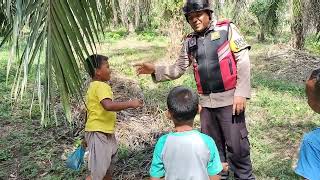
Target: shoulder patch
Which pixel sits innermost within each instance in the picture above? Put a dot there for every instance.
(237, 42)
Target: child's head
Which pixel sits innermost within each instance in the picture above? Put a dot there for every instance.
(183, 105)
(98, 67)
(313, 90)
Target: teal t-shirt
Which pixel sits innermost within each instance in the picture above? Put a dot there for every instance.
(185, 155)
(309, 157)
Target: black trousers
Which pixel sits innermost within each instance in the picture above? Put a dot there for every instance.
(231, 137)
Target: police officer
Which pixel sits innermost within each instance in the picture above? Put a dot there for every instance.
(219, 57)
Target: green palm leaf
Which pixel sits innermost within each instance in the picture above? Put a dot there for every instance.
(59, 35)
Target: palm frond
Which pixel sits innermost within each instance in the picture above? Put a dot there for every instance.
(59, 35)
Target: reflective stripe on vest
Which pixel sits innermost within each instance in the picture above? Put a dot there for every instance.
(214, 65)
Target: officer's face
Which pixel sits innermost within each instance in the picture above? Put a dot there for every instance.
(199, 21)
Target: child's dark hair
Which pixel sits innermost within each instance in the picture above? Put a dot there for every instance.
(316, 75)
(94, 62)
(182, 104)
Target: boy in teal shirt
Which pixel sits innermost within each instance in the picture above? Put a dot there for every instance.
(186, 153)
(309, 157)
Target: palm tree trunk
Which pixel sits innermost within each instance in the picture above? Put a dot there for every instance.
(137, 14)
(298, 39)
(297, 25)
(261, 35)
(124, 13)
(114, 12)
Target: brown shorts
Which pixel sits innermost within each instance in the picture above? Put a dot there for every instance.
(102, 150)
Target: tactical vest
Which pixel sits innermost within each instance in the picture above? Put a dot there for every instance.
(214, 64)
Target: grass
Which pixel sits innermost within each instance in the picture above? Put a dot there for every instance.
(312, 44)
(277, 115)
(28, 151)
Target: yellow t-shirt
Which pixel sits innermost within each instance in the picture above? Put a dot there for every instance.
(99, 119)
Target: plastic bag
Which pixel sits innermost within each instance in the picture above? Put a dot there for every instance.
(75, 160)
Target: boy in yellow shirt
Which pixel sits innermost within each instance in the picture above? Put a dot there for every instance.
(101, 118)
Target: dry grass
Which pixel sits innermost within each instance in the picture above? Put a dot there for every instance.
(288, 64)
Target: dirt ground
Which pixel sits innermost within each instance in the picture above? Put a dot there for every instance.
(285, 63)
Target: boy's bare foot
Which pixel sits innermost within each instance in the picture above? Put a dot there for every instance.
(88, 178)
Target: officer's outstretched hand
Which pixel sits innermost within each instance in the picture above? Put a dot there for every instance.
(239, 105)
(144, 68)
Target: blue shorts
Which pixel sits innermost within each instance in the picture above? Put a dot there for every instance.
(309, 157)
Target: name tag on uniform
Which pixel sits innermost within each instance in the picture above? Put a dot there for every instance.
(215, 35)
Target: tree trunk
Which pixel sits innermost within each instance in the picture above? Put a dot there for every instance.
(297, 25)
(298, 39)
(137, 14)
(115, 13)
(217, 8)
(124, 13)
(261, 35)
